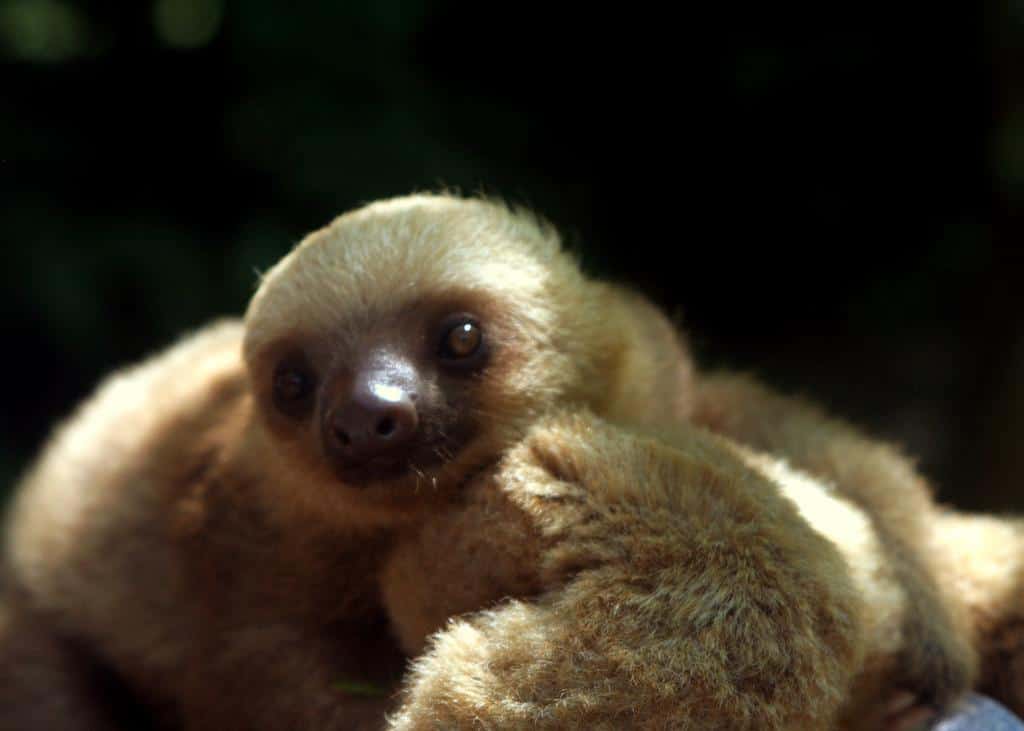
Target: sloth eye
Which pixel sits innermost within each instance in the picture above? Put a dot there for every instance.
(462, 341)
(293, 387)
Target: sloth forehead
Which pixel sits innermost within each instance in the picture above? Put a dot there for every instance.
(394, 255)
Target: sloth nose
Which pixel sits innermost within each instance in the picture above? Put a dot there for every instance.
(376, 423)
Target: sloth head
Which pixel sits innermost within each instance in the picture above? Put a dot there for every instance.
(411, 341)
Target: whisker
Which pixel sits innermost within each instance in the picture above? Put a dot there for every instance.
(419, 474)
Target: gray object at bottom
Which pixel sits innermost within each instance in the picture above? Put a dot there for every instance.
(981, 714)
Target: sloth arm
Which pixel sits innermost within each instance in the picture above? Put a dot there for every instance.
(937, 663)
(679, 590)
(290, 634)
(285, 676)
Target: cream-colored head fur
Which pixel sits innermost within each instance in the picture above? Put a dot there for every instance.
(345, 279)
(558, 337)
(377, 259)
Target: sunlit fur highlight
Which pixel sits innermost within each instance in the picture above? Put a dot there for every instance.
(983, 562)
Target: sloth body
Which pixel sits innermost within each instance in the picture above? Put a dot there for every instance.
(429, 410)
(672, 581)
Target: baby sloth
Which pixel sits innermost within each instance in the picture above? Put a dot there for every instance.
(230, 534)
(204, 536)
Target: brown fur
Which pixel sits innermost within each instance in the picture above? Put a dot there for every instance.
(937, 663)
(195, 541)
(673, 582)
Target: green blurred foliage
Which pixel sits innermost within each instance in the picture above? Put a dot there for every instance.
(817, 189)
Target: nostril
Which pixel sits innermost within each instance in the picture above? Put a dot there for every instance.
(363, 429)
(386, 427)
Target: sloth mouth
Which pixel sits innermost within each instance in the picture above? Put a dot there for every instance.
(373, 472)
(421, 467)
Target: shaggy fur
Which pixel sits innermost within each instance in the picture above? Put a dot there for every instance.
(691, 586)
(937, 662)
(188, 541)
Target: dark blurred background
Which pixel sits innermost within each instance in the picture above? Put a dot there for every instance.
(828, 194)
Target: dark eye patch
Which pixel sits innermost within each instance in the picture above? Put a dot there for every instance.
(294, 384)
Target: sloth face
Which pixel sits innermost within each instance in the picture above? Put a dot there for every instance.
(395, 401)
(410, 342)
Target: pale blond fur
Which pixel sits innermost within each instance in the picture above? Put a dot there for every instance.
(982, 560)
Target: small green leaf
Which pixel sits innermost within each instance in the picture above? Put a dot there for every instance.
(357, 688)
